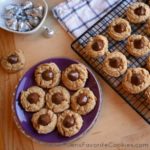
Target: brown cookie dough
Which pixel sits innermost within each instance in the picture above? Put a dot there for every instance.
(44, 121)
(58, 99)
(83, 101)
(69, 123)
(97, 46)
(136, 80)
(138, 45)
(32, 99)
(119, 29)
(115, 64)
(148, 63)
(47, 75)
(147, 95)
(74, 77)
(13, 62)
(138, 12)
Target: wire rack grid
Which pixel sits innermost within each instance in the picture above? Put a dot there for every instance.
(137, 102)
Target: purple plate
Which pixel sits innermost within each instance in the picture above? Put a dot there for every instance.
(23, 118)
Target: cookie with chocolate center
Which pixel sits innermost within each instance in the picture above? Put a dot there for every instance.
(136, 80)
(83, 101)
(13, 62)
(69, 123)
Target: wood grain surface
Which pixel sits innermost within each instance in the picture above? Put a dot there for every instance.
(117, 124)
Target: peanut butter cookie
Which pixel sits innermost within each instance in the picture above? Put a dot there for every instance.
(69, 123)
(97, 46)
(74, 77)
(13, 62)
(58, 99)
(147, 95)
(32, 99)
(147, 29)
(115, 64)
(47, 75)
(138, 12)
(83, 101)
(136, 80)
(138, 45)
(119, 29)
(44, 121)
(148, 63)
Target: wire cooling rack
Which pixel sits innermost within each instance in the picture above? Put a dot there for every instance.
(137, 102)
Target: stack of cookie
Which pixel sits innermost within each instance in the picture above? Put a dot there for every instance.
(52, 102)
(115, 64)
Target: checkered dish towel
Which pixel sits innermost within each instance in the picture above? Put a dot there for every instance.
(76, 16)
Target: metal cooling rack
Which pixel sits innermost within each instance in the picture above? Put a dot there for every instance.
(137, 102)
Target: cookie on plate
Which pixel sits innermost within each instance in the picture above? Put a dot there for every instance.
(58, 99)
(13, 62)
(69, 123)
(97, 46)
(44, 121)
(83, 101)
(32, 99)
(138, 45)
(138, 12)
(119, 29)
(47, 75)
(136, 80)
(115, 64)
(74, 77)
(147, 95)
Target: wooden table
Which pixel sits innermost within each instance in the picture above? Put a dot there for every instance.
(117, 123)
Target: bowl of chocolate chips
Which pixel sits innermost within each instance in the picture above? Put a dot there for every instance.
(22, 16)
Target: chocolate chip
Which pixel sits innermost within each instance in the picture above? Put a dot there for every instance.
(13, 59)
(119, 28)
(138, 43)
(47, 75)
(69, 121)
(140, 11)
(57, 98)
(82, 99)
(98, 45)
(115, 62)
(33, 98)
(73, 75)
(136, 79)
(44, 119)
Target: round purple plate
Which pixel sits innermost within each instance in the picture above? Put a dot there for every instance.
(23, 118)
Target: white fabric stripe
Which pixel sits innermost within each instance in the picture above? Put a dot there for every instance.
(71, 20)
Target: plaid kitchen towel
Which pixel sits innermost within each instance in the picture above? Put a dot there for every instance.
(76, 16)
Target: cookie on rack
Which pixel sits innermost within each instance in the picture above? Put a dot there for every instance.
(44, 121)
(136, 80)
(119, 29)
(83, 101)
(148, 63)
(115, 64)
(97, 46)
(47, 75)
(33, 99)
(138, 12)
(147, 28)
(13, 62)
(138, 45)
(69, 123)
(147, 95)
(58, 99)
(74, 77)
